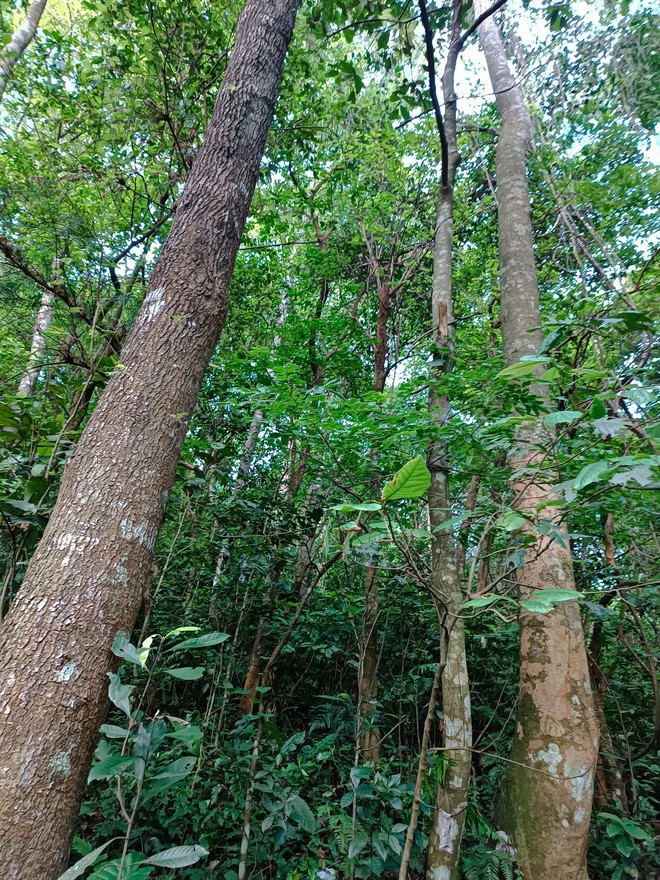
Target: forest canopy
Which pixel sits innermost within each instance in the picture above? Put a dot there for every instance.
(329, 438)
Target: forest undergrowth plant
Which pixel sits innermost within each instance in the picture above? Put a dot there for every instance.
(144, 758)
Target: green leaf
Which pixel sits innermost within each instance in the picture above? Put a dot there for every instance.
(303, 815)
(537, 606)
(121, 647)
(186, 673)
(130, 871)
(454, 521)
(205, 641)
(170, 776)
(480, 601)
(346, 800)
(112, 766)
(348, 507)
(187, 735)
(563, 417)
(112, 731)
(511, 521)
(590, 473)
(357, 844)
(119, 693)
(177, 857)
(635, 321)
(82, 864)
(597, 410)
(412, 481)
(523, 368)
(543, 601)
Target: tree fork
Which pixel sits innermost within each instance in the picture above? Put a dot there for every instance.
(88, 576)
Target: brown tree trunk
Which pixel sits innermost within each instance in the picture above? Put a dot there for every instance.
(546, 803)
(87, 579)
(19, 42)
(451, 794)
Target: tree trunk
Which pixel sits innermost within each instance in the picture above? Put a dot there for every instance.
(19, 42)
(87, 579)
(451, 794)
(368, 671)
(546, 803)
(41, 326)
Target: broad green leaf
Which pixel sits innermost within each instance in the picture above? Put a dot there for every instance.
(454, 521)
(177, 857)
(641, 474)
(511, 521)
(205, 641)
(590, 473)
(131, 870)
(412, 481)
(187, 735)
(303, 815)
(121, 647)
(348, 507)
(357, 844)
(82, 864)
(597, 410)
(186, 673)
(635, 321)
(112, 731)
(563, 417)
(112, 766)
(553, 595)
(523, 368)
(480, 601)
(170, 776)
(119, 693)
(182, 629)
(537, 606)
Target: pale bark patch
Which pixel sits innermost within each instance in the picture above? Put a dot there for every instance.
(67, 673)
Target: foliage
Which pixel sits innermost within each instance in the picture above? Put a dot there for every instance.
(292, 462)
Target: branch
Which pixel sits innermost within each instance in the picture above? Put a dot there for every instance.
(17, 260)
(430, 60)
(479, 20)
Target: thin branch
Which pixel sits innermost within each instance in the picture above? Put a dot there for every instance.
(479, 20)
(430, 61)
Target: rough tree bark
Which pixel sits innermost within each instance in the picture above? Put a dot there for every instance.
(87, 578)
(19, 42)
(546, 803)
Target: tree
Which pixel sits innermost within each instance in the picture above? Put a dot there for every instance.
(556, 745)
(19, 42)
(87, 579)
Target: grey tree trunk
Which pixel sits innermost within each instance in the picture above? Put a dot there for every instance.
(546, 803)
(19, 42)
(451, 795)
(88, 576)
(39, 334)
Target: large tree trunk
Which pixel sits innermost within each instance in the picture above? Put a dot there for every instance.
(546, 803)
(19, 42)
(88, 576)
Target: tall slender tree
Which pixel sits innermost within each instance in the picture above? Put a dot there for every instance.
(451, 795)
(87, 579)
(546, 804)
